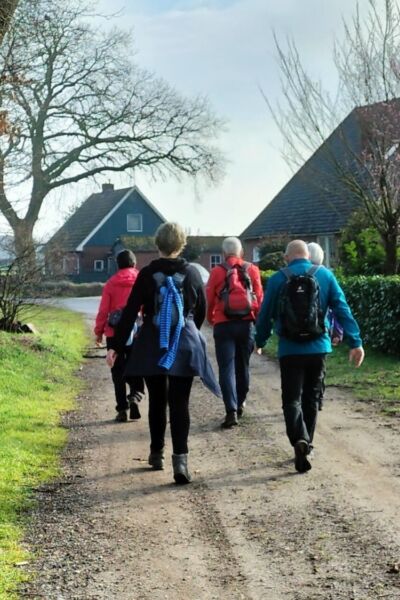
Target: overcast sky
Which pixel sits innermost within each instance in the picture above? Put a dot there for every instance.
(224, 49)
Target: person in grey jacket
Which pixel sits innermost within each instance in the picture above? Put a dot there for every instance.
(302, 363)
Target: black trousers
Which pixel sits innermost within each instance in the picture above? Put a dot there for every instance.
(174, 392)
(136, 384)
(301, 380)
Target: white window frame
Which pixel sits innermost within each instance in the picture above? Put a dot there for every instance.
(137, 215)
(96, 263)
(214, 263)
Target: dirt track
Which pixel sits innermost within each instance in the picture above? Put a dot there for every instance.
(249, 527)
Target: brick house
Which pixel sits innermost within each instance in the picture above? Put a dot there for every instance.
(84, 248)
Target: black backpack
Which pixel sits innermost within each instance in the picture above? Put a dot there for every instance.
(159, 278)
(299, 307)
(237, 293)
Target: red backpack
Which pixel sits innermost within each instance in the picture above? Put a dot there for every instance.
(237, 293)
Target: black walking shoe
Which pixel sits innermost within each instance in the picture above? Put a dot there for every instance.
(230, 420)
(134, 412)
(180, 467)
(121, 416)
(156, 460)
(301, 462)
(240, 409)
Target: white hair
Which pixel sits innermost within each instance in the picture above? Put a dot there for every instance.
(232, 246)
(316, 253)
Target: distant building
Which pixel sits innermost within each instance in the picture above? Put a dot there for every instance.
(84, 248)
(315, 205)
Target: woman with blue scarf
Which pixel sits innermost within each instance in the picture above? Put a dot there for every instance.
(169, 350)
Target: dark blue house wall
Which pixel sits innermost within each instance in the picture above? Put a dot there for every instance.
(116, 225)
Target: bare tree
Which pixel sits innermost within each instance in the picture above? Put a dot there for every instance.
(77, 106)
(20, 289)
(368, 80)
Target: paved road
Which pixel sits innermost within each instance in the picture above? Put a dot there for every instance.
(87, 306)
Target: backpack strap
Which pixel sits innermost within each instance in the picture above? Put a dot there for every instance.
(312, 270)
(178, 279)
(287, 272)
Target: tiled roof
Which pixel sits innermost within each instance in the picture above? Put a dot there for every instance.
(314, 201)
(86, 217)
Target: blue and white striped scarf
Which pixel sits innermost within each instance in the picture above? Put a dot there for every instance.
(171, 297)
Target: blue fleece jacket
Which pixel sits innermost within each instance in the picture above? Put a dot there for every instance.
(332, 296)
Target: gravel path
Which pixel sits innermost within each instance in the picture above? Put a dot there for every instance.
(249, 527)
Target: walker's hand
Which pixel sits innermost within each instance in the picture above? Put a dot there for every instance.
(356, 355)
(110, 358)
(99, 341)
(258, 350)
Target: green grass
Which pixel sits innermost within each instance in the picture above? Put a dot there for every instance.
(377, 380)
(37, 383)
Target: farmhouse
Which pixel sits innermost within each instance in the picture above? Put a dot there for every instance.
(315, 205)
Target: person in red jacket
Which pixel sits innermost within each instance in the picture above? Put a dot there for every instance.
(233, 327)
(114, 297)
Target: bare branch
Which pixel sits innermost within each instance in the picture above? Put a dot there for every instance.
(78, 106)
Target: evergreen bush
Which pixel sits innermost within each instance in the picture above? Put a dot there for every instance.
(375, 303)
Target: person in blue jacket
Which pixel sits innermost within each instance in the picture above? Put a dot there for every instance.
(302, 363)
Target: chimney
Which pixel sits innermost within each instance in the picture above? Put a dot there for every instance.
(107, 187)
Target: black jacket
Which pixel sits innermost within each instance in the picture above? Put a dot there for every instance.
(143, 295)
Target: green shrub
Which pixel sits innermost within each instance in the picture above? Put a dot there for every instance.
(70, 289)
(360, 248)
(265, 275)
(375, 303)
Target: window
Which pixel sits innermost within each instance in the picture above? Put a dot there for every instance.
(328, 245)
(215, 259)
(99, 265)
(256, 254)
(134, 223)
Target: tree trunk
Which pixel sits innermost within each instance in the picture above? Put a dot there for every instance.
(23, 240)
(391, 261)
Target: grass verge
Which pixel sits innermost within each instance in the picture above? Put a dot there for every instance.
(377, 380)
(37, 383)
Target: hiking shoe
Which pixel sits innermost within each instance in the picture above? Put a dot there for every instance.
(230, 420)
(121, 416)
(156, 460)
(180, 467)
(301, 462)
(240, 409)
(134, 412)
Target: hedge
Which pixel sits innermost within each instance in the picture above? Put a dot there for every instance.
(375, 303)
(70, 289)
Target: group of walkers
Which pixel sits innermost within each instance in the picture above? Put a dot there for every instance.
(152, 320)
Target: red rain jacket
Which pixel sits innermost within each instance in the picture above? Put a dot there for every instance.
(115, 295)
(215, 306)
